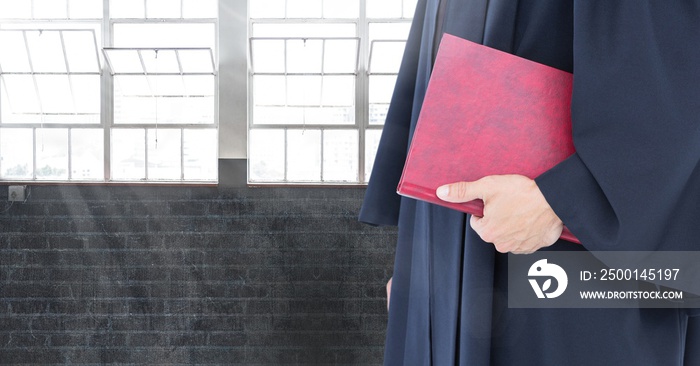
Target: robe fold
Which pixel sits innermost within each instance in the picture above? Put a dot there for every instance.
(634, 184)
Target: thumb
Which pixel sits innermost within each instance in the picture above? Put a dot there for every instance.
(462, 191)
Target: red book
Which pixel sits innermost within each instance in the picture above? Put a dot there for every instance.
(487, 112)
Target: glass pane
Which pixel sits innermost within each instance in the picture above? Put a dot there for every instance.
(48, 9)
(269, 90)
(87, 154)
(394, 31)
(384, 8)
(304, 90)
(372, 138)
(199, 85)
(80, 51)
(14, 56)
(19, 97)
(16, 153)
(124, 61)
(52, 154)
(200, 8)
(267, 8)
(165, 35)
(267, 55)
(304, 30)
(409, 8)
(131, 85)
(55, 94)
(340, 56)
(200, 154)
(266, 154)
(160, 62)
(304, 56)
(340, 155)
(86, 92)
(166, 85)
(85, 9)
(304, 8)
(303, 155)
(128, 154)
(385, 57)
(338, 91)
(199, 110)
(164, 154)
(15, 9)
(127, 9)
(195, 61)
(163, 9)
(381, 88)
(341, 9)
(46, 51)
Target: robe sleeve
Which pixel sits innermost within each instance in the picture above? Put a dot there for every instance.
(634, 182)
(381, 203)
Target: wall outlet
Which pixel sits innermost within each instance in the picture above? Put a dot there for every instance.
(16, 193)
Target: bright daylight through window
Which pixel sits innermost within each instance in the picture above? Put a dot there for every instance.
(108, 90)
(322, 74)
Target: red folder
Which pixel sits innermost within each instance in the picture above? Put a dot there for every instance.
(487, 112)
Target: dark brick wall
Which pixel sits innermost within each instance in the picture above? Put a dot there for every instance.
(191, 275)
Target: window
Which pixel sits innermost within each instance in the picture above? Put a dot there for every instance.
(108, 90)
(322, 75)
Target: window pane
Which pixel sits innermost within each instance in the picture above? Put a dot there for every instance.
(304, 8)
(269, 90)
(165, 35)
(52, 154)
(409, 8)
(55, 94)
(47, 9)
(16, 9)
(164, 155)
(80, 51)
(340, 155)
(372, 138)
(46, 51)
(381, 88)
(340, 56)
(86, 92)
(87, 154)
(127, 9)
(200, 8)
(200, 152)
(194, 61)
(389, 31)
(267, 8)
(160, 62)
(124, 61)
(385, 57)
(19, 97)
(384, 8)
(268, 55)
(304, 90)
(266, 149)
(338, 91)
(128, 154)
(341, 9)
(163, 9)
(304, 30)
(85, 9)
(303, 155)
(14, 56)
(304, 56)
(16, 153)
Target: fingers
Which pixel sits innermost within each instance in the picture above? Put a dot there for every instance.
(463, 191)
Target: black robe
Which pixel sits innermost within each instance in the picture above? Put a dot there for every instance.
(634, 184)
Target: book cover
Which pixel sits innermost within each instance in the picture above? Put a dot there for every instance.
(487, 112)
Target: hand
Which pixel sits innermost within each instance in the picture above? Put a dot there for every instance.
(517, 218)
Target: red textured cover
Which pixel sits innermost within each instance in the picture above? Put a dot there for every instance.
(487, 112)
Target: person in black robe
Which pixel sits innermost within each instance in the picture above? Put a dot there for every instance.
(633, 184)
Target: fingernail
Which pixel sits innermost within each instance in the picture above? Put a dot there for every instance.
(442, 191)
